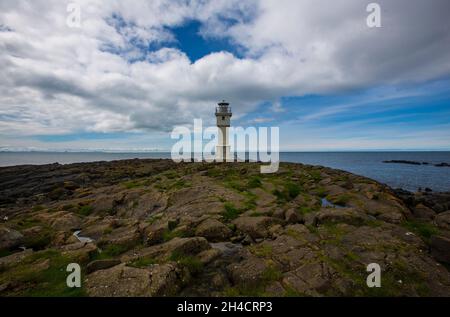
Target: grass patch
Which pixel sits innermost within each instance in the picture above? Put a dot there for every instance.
(236, 185)
(422, 229)
(316, 175)
(303, 210)
(271, 274)
(38, 208)
(231, 212)
(170, 234)
(85, 210)
(111, 251)
(321, 192)
(132, 184)
(40, 240)
(170, 174)
(179, 184)
(261, 250)
(143, 262)
(293, 190)
(153, 219)
(340, 200)
(254, 182)
(46, 282)
(250, 201)
(290, 192)
(192, 263)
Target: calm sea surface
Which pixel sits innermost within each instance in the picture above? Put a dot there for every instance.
(369, 164)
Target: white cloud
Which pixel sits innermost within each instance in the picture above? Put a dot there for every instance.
(56, 79)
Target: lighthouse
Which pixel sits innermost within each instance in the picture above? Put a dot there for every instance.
(223, 117)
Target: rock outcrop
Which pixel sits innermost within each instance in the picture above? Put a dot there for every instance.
(157, 228)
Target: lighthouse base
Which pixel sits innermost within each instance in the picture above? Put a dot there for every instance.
(223, 153)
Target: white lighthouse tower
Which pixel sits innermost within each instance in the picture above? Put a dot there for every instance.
(223, 116)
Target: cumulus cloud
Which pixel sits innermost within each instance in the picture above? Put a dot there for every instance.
(102, 77)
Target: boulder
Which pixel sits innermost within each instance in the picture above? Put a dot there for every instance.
(66, 222)
(255, 227)
(61, 220)
(423, 212)
(80, 252)
(279, 213)
(9, 238)
(213, 230)
(185, 246)
(209, 255)
(125, 236)
(154, 233)
(391, 217)
(440, 248)
(291, 216)
(101, 265)
(310, 279)
(14, 258)
(248, 272)
(339, 215)
(124, 281)
(442, 220)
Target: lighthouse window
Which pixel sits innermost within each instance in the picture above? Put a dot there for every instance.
(223, 118)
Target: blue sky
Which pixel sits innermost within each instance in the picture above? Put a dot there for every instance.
(130, 74)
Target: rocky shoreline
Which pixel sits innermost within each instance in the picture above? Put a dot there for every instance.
(157, 228)
(443, 164)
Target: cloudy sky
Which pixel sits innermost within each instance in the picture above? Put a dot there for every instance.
(133, 70)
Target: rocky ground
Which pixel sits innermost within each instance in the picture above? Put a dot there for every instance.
(157, 228)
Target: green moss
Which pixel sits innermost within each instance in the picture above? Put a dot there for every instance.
(271, 273)
(179, 184)
(291, 292)
(111, 251)
(192, 263)
(68, 207)
(85, 210)
(254, 182)
(171, 174)
(250, 201)
(231, 292)
(26, 223)
(107, 231)
(424, 230)
(293, 190)
(321, 192)
(236, 185)
(231, 212)
(38, 208)
(39, 241)
(295, 234)
(153, 219)
(303, 210)
(47, 282)
(316, 175)
(340, 200)
(261, 250)
(143, 262)
(132, 184)
(170, 234)
(290, 192)
(214, 172)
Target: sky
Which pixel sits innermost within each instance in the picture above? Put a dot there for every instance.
(133, 70)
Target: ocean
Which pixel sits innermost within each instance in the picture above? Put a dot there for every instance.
(369, 164)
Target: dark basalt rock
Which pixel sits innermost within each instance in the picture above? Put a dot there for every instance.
(403, 162)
